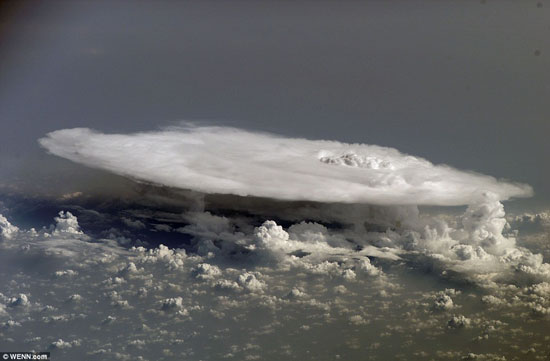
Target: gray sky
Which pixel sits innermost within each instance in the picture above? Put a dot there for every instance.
(462, 83)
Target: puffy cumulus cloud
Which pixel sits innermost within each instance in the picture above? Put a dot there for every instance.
(107, 302)
(443, 302)
(66, 224)
(60, 344)
(173, 258)
(532, 301)
(478, 245)
(250, 282)
(232, 161)
(467, 252)
(530, 221)
(272, 238)
(532, 230)
(19, 301)
(366, 267)
(459, 322)
(174, 304)
(296, 293)
(309, 232)
(65, 273)
(11, 323)
(74, 298)
(484, 222)
(358, 320)
(310, 247)
(7, 230)
(206, 271)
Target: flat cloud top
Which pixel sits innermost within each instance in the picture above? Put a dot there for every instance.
(233, 161)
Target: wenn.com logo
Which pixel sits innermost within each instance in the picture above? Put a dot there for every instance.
(24, 356)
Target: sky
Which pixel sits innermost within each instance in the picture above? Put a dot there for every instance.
(460, 83)
(268, 180)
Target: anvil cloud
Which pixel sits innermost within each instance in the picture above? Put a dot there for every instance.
(233, 161)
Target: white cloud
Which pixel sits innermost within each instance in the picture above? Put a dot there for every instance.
(172, 258)
(245, 301)
(357, 320)
(349, 275)
(443, 302)
(11, 324)
(459, 322)
(206, 271)
(174, 304)
(484, 221)
(364, 266)
(75, 298)
(233, 161)
(7, 230)
(227, 284)
(250, 282)
(66, 224)
(272, 238)
(60, 344)
(529, 223)
(20, 301)
(296, 293)
(309, 232)
(65, 273)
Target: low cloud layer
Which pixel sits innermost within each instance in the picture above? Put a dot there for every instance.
(232, 161)
(272, 290)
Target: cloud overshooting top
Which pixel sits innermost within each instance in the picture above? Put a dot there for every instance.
(233, 161)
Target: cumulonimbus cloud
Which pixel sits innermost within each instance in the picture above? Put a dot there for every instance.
(233, 161)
